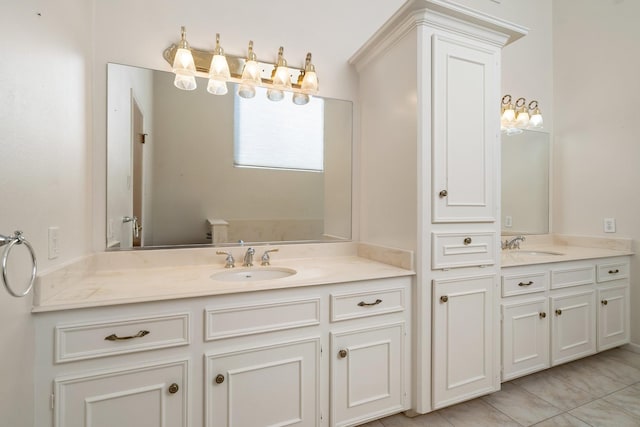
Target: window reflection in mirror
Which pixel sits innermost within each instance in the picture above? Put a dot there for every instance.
(191, 191)
(525, 183)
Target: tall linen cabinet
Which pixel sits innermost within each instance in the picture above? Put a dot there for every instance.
(429, 96)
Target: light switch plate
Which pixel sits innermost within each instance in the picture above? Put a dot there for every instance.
(609, 225)
(54, 242)
(508, 221)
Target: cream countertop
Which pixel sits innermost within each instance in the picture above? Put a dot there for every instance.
(112, 278)
(570, 248)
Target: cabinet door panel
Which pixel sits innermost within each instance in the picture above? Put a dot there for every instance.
(275, 385)
(463, 339)
(464, 100)
(613, 316)
(573, 326)
(525, 337)
(136, 397)
(367, 371)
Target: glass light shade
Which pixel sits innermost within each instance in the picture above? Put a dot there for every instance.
(536, 121)
(246, 91)
(300, 98)
(275, 95)
(219, 69)
(251, 73)
(509, 115)
(183, 62)
(523, 119)
(309, 82)
(281, 77)
(184, 82)
(217, 87)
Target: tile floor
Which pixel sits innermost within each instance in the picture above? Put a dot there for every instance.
(600, 390)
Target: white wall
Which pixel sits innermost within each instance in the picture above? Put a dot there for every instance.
(597, 149)
(45, 88)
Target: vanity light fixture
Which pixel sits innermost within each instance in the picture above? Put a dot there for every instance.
(248, 72)
(514, 119)
(219, 72)
(183, 65)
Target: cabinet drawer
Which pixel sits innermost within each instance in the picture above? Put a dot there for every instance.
(452, 250)
(518, 284)
(368, 303)
(240, 320)
(613, 271)
(572, 276)
(89, 340)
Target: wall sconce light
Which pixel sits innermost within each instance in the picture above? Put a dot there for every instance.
(514, 119)
(248, 72)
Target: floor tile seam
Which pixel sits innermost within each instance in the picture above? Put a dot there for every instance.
(624, 362)
(503, 413)
(614, 378)
(622, 408)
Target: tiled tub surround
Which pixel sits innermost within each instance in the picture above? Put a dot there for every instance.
(139, 276)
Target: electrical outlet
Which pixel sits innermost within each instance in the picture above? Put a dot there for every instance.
(609, 225)
(508, 221)
(54, 242)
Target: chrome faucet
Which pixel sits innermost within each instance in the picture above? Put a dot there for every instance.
(230, 262)
(266, 259)
(513, 243)
(248, 258)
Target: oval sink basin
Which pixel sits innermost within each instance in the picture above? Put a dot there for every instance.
(253, 274)
(534, 253)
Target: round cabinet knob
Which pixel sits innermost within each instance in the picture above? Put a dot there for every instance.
(543, 315)
(219, 379)
(604, 302)
(173, 388)
(443, 193)
(558, 312)
(444, 298)
(467, 241)
(342, 354)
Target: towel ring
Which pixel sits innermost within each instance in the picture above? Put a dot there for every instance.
(11, 241)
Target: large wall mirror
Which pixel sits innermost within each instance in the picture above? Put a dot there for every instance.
(525, 183)
(189, 168)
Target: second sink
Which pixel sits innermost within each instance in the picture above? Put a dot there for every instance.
(253, 274)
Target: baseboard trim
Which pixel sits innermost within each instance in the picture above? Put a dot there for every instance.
(632, 347)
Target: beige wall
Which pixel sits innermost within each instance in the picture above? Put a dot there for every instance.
(597, 149)
(45, 87)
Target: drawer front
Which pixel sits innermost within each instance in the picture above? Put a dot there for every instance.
(240, 320)
(518, 284)
(107, 338)
(452, 250)
(572, 276)
(613, 271)
(368, 303)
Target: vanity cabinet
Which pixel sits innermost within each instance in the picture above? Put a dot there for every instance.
(324, 355)
(441, 168)
(559, 312)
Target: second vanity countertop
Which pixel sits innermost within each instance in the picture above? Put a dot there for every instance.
(141, 276)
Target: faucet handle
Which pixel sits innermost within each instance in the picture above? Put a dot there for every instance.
(230, 262)
(266, 259)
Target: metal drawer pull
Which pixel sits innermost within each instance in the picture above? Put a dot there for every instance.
(604, 302)
(543, 315)
(443, 193)
(173, 388)
(558, 312)
(369, 304)
(616, 271)
(467, 241)
(114, 337)
(219, 379)
(529, 283)
(444, 298)
(342, 354)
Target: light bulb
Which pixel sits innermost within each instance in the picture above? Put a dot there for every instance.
(217, 87)
(183, 65)
(300, 98)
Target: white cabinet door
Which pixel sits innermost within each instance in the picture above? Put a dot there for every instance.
(276, 385)
(367, 371)
(464, 359)
(144, 396)
(613, 316)
(525, 337)
(465, 96)
(573, 326)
